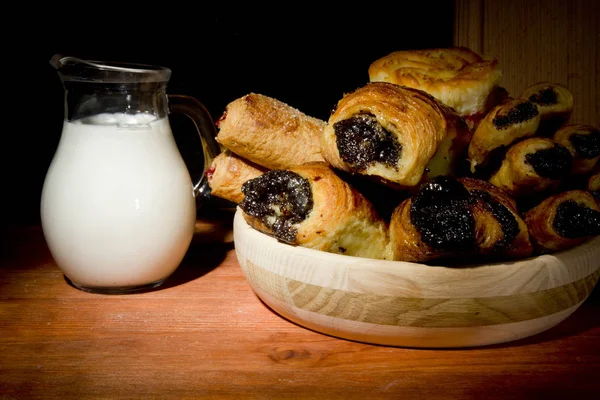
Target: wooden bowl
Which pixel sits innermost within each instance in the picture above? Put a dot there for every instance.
(413, 305)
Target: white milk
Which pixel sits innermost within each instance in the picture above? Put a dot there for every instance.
(117, 205)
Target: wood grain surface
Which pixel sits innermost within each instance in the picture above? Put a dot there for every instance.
(422, 312)
(538, 40)
(205, 334)
(413, 305)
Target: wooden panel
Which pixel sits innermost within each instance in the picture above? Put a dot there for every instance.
(468, 24)
(539, 40)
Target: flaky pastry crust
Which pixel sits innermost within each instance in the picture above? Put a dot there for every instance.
(583, 141)
(554, 102)
(458, 77)
(431, 137)
(517, 174)
(488, 213)
(488, 224)
(544, 221)
(502, 126)
(227, 174)
(593, 186)
(269, 132)
(341, 221)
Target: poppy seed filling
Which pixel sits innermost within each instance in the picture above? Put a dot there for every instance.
(545, 97)
(441, 213)
(520, 113)
(362, 141)
(586, 146)
(280, 199)
(573, 220)
(552, 163)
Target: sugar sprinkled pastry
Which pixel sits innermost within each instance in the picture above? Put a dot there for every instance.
(269, 132)
(227, 174)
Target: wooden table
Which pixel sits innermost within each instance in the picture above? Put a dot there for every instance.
(204, 334)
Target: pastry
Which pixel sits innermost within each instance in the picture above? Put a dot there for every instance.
(457, 76)
(228, 172)
(593, 186)
(453, 219)
(554, 102)
(533, 166)
(583, 141)
(399, 135)
(269, 133)
(311, 206)
(502, 126)
(563, 220)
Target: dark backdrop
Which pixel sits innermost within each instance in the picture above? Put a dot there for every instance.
(306, 57)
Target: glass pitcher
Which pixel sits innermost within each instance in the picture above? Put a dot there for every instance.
(118, 205)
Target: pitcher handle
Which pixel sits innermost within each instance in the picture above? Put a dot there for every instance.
(207, 131)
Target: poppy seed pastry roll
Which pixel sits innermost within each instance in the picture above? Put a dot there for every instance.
(593, 186)
(554, 102)
(583, 141)
(227, 174)
(269, 132)
(503, 125)
(311, 206)
(500, 230)
(563, 220)
(450, 219)
(533, 166)
(456, 76)
(395, 134)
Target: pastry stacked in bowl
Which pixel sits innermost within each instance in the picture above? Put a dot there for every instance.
(431, 161)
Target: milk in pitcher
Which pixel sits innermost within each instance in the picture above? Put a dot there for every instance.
(118, 206)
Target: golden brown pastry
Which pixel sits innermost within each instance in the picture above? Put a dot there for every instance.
(269, 133)
(228, 172)
(396, 134)
(311, 206)
(554, 102)
(583, 141)
(501, 232)
(502, 126)
(533, 166)
(563, 220)
(593, 186)
(457, 76)
(462, 219)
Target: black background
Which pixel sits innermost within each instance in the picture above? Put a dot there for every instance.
(304, 56)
